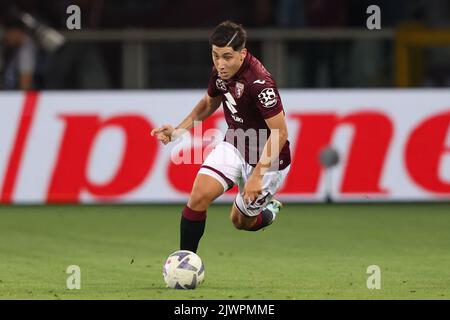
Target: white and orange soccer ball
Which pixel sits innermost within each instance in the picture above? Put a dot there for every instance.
(183, 269)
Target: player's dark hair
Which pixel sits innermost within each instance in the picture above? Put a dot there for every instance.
(229, 34)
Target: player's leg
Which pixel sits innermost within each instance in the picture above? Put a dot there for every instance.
(213, 179)
(204, 190)
(192, 225)
(242, 221)
(263, 211)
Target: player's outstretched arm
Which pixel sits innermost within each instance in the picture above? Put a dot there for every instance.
(163, 133)
(204, 108)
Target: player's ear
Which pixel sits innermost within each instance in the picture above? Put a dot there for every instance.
(243, 53)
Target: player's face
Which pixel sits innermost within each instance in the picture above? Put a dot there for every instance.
(227, 61)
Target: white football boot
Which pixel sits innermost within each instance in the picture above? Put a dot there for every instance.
(274, 206)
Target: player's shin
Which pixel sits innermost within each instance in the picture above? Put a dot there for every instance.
(192, 226)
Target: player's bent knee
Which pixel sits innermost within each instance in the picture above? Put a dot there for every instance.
(204, 191)
(238, 220)
(199, 201)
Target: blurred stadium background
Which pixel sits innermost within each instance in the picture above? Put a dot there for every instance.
(77, 106)
(305, 43)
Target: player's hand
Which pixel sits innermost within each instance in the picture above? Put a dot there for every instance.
(163, 134)
(252, 189)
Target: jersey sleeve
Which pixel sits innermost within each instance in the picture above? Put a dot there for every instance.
(212, 87)
(267, 98)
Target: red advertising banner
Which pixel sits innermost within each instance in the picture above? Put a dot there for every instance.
(85, 147)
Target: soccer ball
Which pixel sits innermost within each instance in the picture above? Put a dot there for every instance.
(183, 269)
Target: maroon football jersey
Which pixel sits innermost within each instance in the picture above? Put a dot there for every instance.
(248, 98)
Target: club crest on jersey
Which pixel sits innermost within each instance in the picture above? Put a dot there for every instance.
(220, 84)
(268, 97)
(239, 89)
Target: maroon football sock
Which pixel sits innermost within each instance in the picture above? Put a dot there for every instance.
(192, 227)
(263, 219)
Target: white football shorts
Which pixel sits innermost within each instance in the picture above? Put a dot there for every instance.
(227, 166)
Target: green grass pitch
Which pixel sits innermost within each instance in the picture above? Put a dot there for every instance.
(310, 252)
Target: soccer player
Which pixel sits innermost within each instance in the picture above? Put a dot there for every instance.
(255, 153)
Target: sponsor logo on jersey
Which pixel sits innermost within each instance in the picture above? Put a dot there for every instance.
(259, 81)
(220, 84)
(268, 97)
(237, 119)
(239, 89)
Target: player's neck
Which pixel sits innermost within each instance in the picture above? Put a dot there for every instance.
(241, 67)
